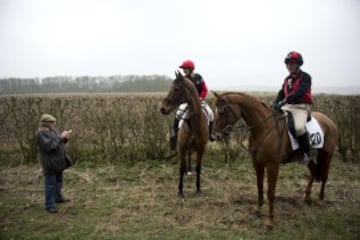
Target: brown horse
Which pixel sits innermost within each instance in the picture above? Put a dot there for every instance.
(194, 132)
(268, 146)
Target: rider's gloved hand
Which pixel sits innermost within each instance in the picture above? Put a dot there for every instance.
(277, 105)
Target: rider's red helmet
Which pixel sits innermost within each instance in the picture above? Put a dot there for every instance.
(294, 57)
(187, 64)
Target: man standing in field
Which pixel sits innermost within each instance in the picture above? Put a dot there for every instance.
(295, 97)
(54, 159)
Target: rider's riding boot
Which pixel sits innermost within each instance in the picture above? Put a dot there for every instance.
(212, 136)
(305, 147)
(173, 134)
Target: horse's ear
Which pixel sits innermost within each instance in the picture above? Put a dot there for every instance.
(179, 75)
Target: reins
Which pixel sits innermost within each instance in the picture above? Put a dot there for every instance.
(248, 128)
(229, 128)
(280, 133)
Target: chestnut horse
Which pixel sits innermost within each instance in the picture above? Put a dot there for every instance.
(269, 144)
(194, 132)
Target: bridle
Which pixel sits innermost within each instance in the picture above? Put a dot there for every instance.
(175, 102)
(229, 128)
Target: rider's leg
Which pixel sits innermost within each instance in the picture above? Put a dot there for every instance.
(173, 134)
(212, 136)
(210, 113)
(300, 117)
(305, 147)
(175, 127)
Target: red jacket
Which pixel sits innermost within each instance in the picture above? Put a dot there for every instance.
(200, 85)
(296, 89)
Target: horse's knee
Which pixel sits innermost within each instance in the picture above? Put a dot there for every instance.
(269, 222)
(182, 168)
(198, 168)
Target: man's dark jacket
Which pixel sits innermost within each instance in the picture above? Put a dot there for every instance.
(52, 150)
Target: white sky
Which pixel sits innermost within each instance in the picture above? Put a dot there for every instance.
(233, 42)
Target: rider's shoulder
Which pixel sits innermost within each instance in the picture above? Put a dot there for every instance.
(305, 75)
(197, 77)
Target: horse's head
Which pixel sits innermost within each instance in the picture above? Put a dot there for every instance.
(176, 96)
(225, 116)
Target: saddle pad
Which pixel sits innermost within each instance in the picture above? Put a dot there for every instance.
(315, 132)
(206, 114)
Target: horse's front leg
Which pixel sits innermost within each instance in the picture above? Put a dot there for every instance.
(272, 176)
(199, 155)
(188, 163)
(259, 169)
(181, 173)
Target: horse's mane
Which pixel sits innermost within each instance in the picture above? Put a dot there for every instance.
(249, 97)
(190, 86)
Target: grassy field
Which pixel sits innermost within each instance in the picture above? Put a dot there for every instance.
(139, 201)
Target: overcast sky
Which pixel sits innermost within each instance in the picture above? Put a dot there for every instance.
(232, 42)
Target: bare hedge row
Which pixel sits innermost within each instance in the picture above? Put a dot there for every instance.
(129, 127)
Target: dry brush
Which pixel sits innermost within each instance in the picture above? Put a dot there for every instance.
(128, 127)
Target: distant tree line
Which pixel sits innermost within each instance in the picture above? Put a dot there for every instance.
(66, 84)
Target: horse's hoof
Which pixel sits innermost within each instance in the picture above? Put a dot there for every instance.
(320, 203)
(269, 223)
(198, 193)
(181, 201)
(308, 200)
(257, 211)
(181, 195)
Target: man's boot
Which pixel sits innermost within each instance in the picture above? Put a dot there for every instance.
(305, 147)
(173, 134)
(212, 136)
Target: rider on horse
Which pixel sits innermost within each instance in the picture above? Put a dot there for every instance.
(188, 67)
(295, 97)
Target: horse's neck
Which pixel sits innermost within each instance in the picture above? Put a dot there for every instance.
(194, 106)
(252, 110)
(194, 103)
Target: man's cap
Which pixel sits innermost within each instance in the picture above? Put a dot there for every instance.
(47, 118)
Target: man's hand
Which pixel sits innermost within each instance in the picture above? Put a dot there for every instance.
(66, 134)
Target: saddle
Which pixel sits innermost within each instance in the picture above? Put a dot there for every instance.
(291, 124)
(186, 117)
(316, 134)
